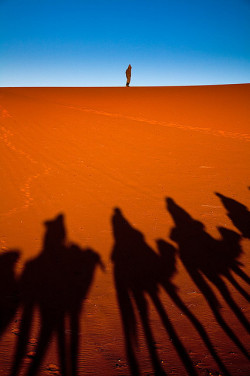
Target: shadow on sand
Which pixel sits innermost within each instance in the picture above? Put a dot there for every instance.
(206, 258)
(138, 273)
(56, 282)
(9, 292)
(238, 213)
(240, 216)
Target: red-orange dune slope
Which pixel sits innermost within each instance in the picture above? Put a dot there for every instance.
(85, 151)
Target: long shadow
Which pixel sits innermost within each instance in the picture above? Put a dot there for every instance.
(9, 289)
(230, 246)
(137, 273)
(168, 264)
(205, 257)
(238, 213)
(56, 282)
(240, 216)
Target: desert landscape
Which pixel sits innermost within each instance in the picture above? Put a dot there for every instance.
(124, 230)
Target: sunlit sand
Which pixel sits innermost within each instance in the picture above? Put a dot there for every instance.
(151, 170)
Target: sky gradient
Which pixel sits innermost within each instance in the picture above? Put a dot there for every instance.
(91, 43)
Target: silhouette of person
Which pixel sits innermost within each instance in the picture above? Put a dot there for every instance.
(204, 256)
(9, 289)
(56, 282)
(137, 272)
(128, 75)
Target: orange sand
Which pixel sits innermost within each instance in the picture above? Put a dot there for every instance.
(85, 151)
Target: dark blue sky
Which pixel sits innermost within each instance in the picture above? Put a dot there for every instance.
(90, 43)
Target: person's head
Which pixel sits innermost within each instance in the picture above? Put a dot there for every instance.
(55, 232)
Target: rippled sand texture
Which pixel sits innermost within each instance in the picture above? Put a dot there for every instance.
(154, 182)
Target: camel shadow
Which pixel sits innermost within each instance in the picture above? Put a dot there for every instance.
(56, 282)
(206, 258)
(9, 289)
(138, 272)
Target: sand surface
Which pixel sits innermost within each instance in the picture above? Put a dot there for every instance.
(83, 152)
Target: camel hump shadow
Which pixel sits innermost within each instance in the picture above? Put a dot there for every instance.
(200, 250)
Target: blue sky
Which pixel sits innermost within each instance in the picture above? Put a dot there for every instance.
(90, 43)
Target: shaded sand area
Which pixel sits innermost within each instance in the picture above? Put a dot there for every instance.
(125, 208)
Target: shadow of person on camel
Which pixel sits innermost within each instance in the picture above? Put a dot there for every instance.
(138, 272)
(206, 258)
(56, 282)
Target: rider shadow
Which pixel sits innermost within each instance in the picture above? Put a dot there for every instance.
(56, 282)
(9, 289)
(207, 258)
(238, 213)
(138, 272)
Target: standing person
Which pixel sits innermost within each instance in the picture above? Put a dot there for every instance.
(128, 74)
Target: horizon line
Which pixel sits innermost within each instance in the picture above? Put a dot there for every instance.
(123, 86)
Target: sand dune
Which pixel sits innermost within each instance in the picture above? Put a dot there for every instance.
(83, 152)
